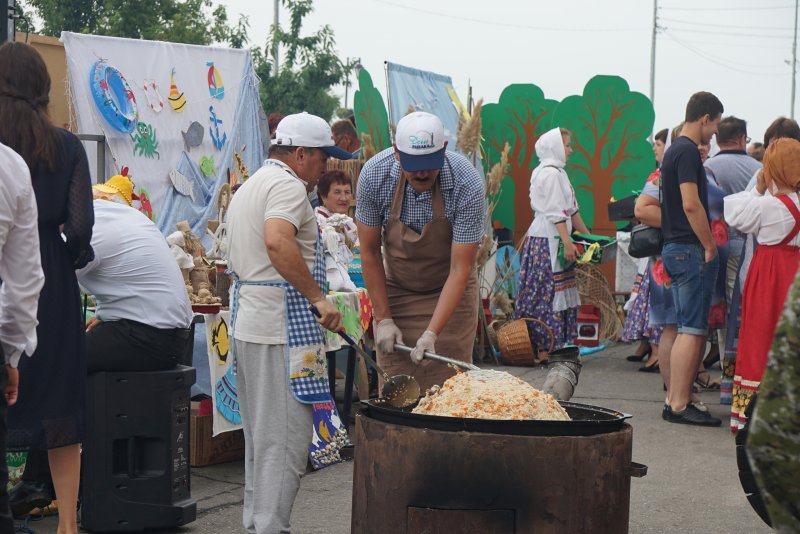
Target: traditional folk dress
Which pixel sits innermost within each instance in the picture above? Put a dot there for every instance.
(773, 442)
(637, 322)
(775, 220)
(546, 291)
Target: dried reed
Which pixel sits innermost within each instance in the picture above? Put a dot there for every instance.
(485, 250)
(502, 302)
(468, 138)
(367, 147)
(495, 177)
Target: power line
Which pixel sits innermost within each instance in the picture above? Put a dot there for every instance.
(710, 32)
(760, 8)
(720, 61)
(735, 45)
(709, 25)
(451, 16)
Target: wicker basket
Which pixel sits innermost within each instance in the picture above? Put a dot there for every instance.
(515, 341)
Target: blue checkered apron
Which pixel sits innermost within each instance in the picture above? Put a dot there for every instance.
(305, 358)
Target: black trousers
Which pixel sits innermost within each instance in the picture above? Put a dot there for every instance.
(127, 345)
(122, 345)
(6, 521)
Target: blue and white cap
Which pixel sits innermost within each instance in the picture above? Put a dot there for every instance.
(420, 142)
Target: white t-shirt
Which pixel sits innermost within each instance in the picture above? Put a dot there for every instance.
(133, 275)
(273, 192)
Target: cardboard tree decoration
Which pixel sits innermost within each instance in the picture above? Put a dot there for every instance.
(520, 116)
(612, 156)
(370, 112)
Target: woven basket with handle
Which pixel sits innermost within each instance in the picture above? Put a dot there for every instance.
(515, 341)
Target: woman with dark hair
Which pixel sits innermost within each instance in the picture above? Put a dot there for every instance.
(49, 415)
(339, 232)
(637, 323)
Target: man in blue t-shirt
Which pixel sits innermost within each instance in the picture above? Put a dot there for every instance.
(689, 253)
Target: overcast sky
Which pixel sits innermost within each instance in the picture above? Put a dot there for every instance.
(740, 50)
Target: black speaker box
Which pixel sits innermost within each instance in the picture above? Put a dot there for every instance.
(135, 472)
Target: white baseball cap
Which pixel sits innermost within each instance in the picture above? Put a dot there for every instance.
(310, 131)
(420, 142)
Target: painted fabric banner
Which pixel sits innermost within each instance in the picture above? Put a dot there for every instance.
(424, 91)
(183, 119)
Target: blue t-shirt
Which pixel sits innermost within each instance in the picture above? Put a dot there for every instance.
(681, 165)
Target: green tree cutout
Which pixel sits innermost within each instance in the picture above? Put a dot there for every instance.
(612, 156)
(521, 115)
(370, 112)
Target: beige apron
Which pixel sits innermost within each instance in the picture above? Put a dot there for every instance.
(417, 266)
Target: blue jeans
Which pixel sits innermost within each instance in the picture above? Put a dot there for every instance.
(693, 282)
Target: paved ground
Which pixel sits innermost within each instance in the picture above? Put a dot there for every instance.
(691, 487)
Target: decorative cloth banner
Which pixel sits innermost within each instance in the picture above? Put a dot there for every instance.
(425, 91)
(178, 155)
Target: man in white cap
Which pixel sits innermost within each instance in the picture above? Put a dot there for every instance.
(276, 265)
(427, 208)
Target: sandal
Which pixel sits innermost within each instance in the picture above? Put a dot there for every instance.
(708, 383)
(650, 367)
(712, 358)
(640, 357)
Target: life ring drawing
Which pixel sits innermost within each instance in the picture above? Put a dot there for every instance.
(153, 96)
(215, 87)
(113, 97)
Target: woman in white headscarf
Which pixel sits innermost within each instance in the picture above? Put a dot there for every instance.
(547, 291)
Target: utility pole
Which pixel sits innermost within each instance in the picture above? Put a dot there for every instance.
(653, 54)
(794, 60)
(276, 26)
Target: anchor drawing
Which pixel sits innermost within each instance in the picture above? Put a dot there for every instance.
(213, 130)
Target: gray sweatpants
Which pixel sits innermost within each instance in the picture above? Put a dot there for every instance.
(277, 433)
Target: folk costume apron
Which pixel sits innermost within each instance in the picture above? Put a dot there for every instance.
(771, 273)
(417, 266)
(306, 362)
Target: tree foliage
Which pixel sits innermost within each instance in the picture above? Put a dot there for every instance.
(309, 68)
(520, 116)
(179, 21)
(370, 112)
(612, 157)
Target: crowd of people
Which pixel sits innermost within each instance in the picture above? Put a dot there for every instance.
(731, 242)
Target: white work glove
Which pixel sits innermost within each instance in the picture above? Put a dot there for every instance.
(387, 335)
(425, 342)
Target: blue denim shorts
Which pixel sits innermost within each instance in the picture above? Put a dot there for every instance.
(693, 282)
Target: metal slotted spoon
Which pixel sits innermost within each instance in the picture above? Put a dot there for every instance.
(399, 391)
(443, 359)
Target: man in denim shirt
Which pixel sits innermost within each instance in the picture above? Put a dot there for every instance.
(689, 253)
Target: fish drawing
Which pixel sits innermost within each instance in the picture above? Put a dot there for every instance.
(193, 136)
(215, 87)
(181, 183)
(176, 99)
